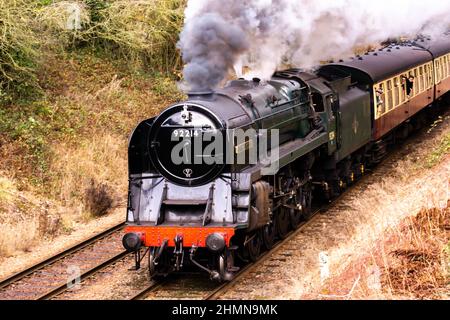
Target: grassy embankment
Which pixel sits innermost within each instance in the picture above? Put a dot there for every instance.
(416, 260)
(402, 248)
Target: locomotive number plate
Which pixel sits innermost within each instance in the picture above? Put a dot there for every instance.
(184, 133)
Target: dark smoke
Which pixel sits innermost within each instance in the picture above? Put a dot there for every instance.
(263, 34)
(210, 46)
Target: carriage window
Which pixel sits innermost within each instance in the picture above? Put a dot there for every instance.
(408, 84)
(402, 88)
(421, 82)
(389, 100)
(380, 95)
(396, 92)
(429, 73)
(446, 72)
(444, 67)
(448, 65)
(426, 76)
(438, 71)
(415, 80)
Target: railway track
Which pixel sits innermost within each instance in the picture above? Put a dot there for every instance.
(195, 287)
(48, 279)
(215, 294)
(53, 276)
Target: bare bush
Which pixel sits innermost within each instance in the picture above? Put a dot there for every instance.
(18, 48)
(99, 199)
(49, 225)
(142, 31)
(63, 23)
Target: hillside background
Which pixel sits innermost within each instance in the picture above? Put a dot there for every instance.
(76, 77)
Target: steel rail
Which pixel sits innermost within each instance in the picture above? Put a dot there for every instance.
(63, 287)
(264, 257)
(141, 295)
(78, 247)
(247, 268)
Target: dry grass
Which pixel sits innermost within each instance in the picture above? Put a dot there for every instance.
(62, 23)
(141, 34)
(399, 232)
(24, 219)
(102, 158)
(409, 261)
(441, 150)
(30, 216)
(143, 31)
(77, 131)
(355, 234)
(98, 199)
(20, 236)
(417, 264)
(107, 106)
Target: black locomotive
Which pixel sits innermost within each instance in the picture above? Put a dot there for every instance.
(225, 173)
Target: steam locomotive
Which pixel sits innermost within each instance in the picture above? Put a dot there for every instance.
(320, 129)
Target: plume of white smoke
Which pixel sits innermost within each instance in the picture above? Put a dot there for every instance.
(219, 35)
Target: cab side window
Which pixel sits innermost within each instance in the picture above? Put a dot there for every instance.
(317, 101)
